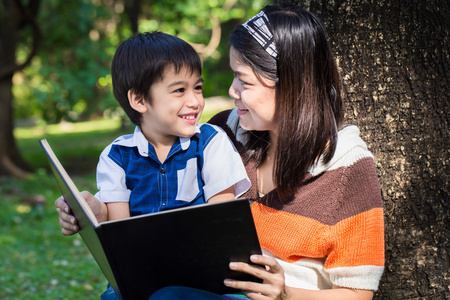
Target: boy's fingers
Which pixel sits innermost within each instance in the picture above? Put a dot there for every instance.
(67, 228)
(66, 217)
(62, 204)
(67, 232)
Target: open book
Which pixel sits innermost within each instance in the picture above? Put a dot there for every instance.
(189, 246)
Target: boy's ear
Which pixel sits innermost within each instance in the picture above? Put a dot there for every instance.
(137, 102)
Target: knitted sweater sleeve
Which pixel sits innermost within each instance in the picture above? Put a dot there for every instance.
(356, 241)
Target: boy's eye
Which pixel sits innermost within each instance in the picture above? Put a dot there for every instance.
(199, 87)
(180, 90)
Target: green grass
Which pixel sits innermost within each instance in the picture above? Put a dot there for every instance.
(36, 260)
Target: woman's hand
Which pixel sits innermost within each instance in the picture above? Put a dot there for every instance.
(68, 221)
(272, 274)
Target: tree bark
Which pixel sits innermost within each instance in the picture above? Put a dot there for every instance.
(394, 61)
(13, 16)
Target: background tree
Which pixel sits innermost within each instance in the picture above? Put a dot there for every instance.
(14, 17)
(394, 59)
(57, 43)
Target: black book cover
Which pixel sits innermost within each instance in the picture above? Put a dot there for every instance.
(189, 246)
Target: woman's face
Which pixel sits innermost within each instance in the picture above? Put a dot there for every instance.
(254, 96)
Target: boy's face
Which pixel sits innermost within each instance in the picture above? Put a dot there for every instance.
(176, 106)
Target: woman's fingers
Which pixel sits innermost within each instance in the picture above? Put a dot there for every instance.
(248, 287)
(271, 263)
(268, 269)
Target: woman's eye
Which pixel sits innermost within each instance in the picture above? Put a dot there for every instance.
(243, 82)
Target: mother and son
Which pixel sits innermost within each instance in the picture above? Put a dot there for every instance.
(315, 197)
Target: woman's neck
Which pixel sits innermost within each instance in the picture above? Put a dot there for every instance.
(265, 171)
(273, 144)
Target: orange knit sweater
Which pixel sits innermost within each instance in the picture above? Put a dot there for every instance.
(332, 230)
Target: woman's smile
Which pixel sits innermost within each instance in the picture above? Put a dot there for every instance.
(242, 111)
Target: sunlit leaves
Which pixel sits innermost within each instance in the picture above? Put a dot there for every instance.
(68, 78)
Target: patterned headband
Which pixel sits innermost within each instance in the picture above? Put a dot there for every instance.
(258, 27)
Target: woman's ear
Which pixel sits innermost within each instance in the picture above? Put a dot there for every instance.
(137, 102)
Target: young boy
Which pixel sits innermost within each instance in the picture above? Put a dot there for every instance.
(170, 161)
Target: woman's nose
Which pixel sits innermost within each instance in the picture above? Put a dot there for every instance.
(233, 92)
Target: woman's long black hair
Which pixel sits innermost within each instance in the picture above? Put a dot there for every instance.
(308, 93)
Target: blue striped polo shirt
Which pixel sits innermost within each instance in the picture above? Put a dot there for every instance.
(195, 169)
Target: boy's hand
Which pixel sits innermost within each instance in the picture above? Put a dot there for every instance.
(68, 221)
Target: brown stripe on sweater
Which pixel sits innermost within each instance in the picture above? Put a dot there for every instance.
(329, 197)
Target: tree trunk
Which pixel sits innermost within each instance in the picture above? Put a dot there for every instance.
(394, 60)
(12, 16)
(132, 9)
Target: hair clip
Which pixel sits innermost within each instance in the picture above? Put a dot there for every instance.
(258, 27)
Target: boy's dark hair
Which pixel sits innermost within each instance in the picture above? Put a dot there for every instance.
(141, 60)
(308, 92)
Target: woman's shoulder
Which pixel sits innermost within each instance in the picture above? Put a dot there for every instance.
(220, 119)
(350, 149)
(228, 120)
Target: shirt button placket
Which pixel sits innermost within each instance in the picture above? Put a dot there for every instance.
(163, 172)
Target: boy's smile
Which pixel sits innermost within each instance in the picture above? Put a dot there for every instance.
(190, 118)
(174, 107)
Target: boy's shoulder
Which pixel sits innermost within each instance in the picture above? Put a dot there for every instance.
(208, 131)
(122, 142)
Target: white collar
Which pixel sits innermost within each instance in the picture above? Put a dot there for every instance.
(141, 142)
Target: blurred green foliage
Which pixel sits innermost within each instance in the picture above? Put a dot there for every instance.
(69, 78)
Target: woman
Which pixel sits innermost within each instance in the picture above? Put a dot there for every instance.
(316, 200)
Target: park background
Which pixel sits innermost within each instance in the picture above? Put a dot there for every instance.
(55, 83)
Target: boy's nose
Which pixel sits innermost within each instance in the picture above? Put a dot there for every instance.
(194, 100)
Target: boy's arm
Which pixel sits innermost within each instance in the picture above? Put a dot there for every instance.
(118, 210)
(224, 195)
(111, 183)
